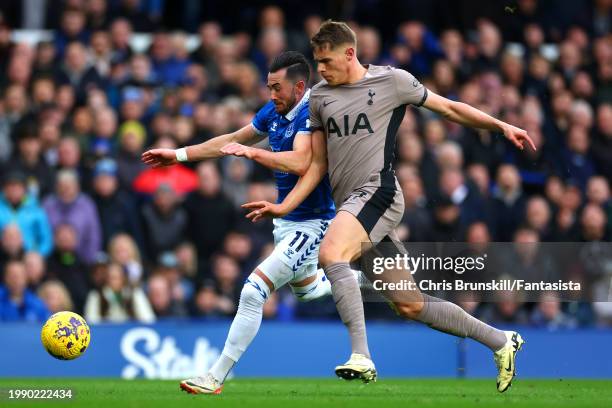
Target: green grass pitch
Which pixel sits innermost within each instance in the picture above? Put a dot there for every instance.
(315, 393)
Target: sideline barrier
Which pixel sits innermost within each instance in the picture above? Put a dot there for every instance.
(178, 349)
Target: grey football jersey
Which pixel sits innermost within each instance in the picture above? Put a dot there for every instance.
(360, 121)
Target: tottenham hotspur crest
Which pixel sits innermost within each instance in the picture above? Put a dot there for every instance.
(371, 94)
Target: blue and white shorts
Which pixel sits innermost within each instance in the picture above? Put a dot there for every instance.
(296, 252)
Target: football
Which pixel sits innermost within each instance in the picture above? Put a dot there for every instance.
(65, 335)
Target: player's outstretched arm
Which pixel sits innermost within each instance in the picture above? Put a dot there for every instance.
(305, 185)
(295, 161)
(467, 115)
(207, 150)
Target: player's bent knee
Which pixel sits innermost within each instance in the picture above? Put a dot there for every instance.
(330, 253)
(409, 310)
(326, 256)
(254, 292)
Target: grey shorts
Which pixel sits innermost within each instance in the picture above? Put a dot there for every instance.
(379, 209)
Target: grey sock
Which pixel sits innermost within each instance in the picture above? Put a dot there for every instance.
(347, 296)
(450, 318)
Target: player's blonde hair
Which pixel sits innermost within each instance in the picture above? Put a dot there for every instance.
(333, 34)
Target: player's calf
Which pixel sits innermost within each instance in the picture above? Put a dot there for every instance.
(408, 310)
(242, 332)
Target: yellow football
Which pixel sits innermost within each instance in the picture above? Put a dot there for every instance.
(65, 335)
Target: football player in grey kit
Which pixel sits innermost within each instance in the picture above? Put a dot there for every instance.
(355, 112)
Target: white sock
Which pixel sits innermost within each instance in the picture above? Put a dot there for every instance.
(321, 287)
(222, 367)
(244, 327)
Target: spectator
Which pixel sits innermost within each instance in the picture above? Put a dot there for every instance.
(44, 59)
(98, 270)
(97, 14)
(116, 208)
(123, 251)
(22, 209)
(206, 302)
(49, 136)
(238, 173)
(11, 245)
(55, 296)
(226, 274)
(463, 194)
(167, 67)
(117, 301)
(209, 35)
(77, 73)
(210, 214)
(369, 45)
(36, 269)
(447, 225)
(239, 247)
(17, 303)
(507, 309)
(164, 221)
(132, 11)
(121, 32)
(70, 206)
(72, 29)
(65, 265)
(602, 143)
(531, 261)
(422, 46)
(416, 217)
(593, 223)
(538, 217)
(15, 103)
(102, 53)
(160, 297)
(69, 154)
(29, 161)
(577, 161)
(598, 192)
(187, 258)
(548, 313)
(102, 142)
(132, 136)
(272, 41)
(508, 205)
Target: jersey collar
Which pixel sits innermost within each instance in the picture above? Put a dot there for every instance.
(293, 112)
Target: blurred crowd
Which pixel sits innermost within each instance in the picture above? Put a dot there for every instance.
(85, 226)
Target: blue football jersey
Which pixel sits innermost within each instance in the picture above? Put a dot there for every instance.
(281, 131)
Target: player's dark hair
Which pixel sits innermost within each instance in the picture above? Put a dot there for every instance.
(296, 64)
(333, 34)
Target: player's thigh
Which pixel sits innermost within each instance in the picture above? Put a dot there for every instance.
(295, 255)
(343, 241)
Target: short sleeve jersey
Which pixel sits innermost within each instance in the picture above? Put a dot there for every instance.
(281, 131)
(360, 121)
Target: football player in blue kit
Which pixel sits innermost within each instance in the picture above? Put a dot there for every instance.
(284, 120)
